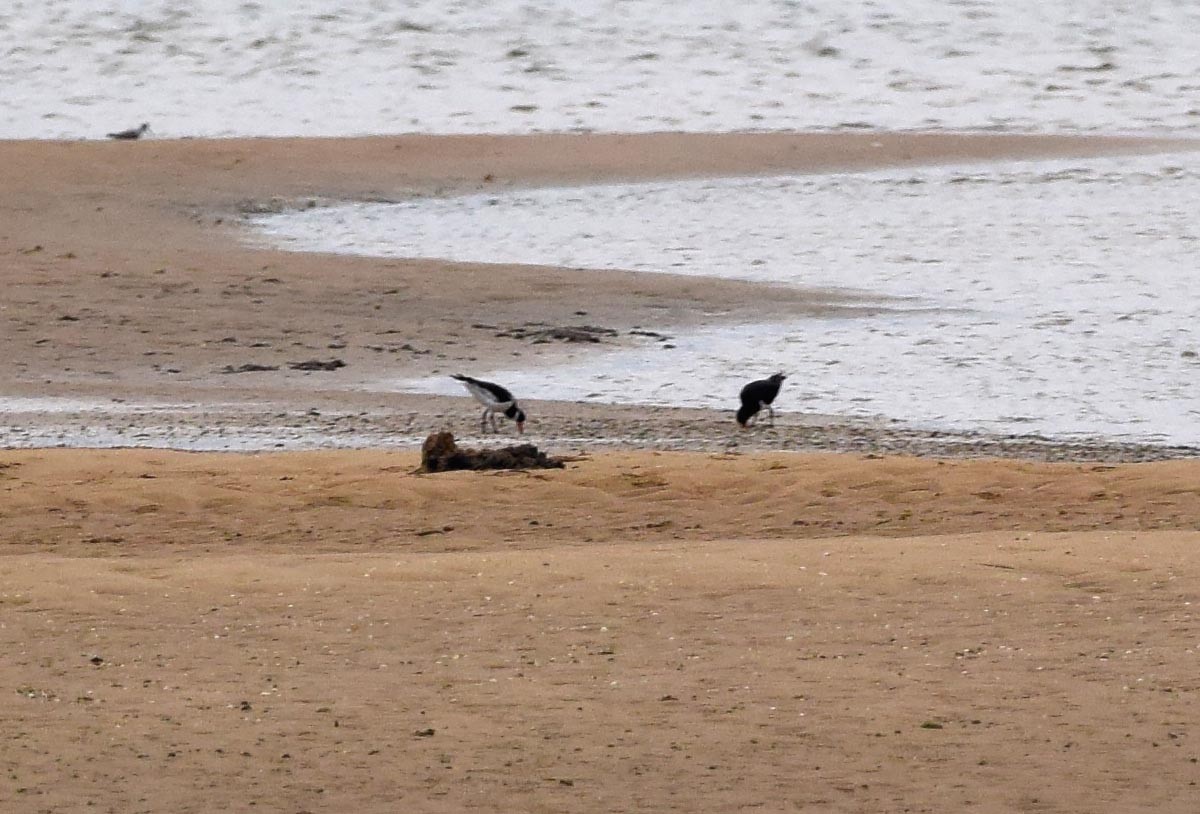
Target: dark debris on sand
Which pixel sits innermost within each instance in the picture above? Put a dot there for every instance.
(317, 364)
(440, 453)
(540, 333)
(249, 367)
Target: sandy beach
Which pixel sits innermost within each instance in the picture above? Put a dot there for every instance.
(902, 622)
(640, 631)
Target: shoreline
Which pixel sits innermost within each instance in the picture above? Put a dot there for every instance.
(128, 280)
(358, 421)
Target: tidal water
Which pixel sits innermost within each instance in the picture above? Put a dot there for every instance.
(79, 68)
(1052, 298)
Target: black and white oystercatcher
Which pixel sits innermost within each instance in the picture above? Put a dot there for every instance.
(758, 395)
(495, 399)
(130, 134)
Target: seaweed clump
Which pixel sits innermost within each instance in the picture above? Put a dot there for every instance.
(440, 453)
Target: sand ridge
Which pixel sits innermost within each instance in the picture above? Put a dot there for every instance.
(135, 501)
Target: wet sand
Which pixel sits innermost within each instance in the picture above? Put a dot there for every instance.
(731, 629)
(129, 278)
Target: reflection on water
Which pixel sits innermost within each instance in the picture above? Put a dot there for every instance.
(1059, 296)
(79, 68)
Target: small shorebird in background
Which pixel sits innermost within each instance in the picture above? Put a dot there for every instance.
(495, 399)
(130, 134)
(758, 395)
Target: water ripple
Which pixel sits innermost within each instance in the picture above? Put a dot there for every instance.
(334, 67)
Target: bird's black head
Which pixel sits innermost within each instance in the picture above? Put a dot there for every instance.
(518, 415)
(778, 378)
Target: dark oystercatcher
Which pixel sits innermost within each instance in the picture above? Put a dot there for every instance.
(495, 399)
(757, 395)
(130, 134)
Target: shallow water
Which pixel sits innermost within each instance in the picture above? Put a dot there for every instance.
(1052, 298)
(79, 68)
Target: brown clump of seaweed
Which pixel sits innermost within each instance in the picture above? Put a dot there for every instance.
(440, 453)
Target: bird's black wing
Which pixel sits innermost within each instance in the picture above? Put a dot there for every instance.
(755, 392)
(501, 394)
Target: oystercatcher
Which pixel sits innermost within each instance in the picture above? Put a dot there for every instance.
(757, 395)
(130, 134)
(495, 399)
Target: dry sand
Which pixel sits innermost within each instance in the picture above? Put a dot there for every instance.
(638, 632)
(642, 631)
